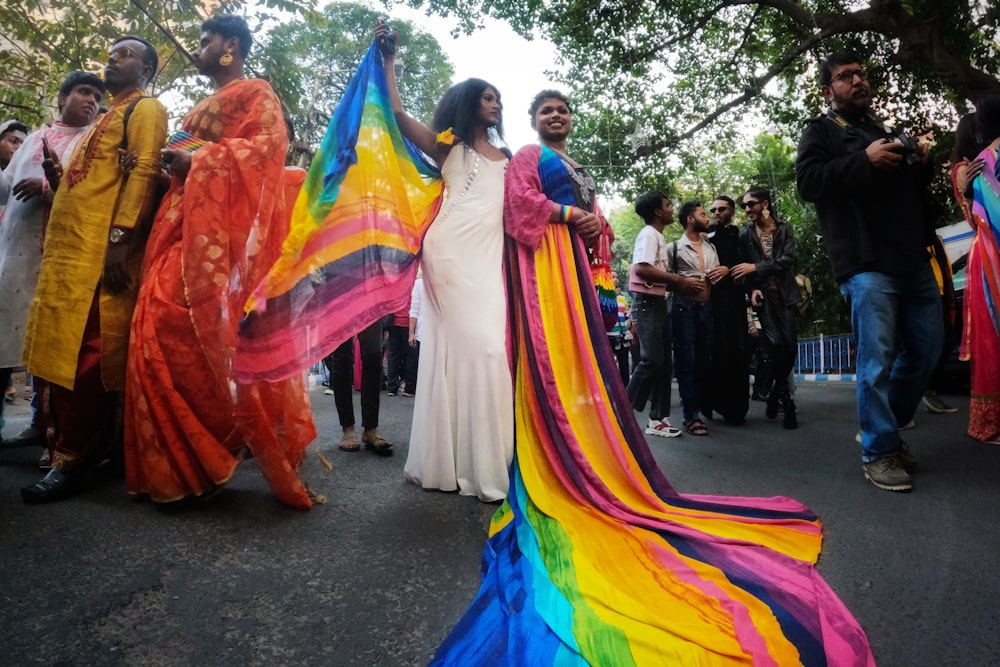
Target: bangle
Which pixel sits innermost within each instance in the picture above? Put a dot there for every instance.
(567, 212)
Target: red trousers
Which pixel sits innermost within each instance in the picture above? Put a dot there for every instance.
(84, 417)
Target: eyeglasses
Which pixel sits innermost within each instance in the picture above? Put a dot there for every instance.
(847, 76)
(122, 52)
(718, 208)
(750, 204)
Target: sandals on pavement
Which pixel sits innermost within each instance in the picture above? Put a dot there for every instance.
(377, 444)
(349, 443)
(696, 427)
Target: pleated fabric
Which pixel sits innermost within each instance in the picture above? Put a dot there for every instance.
(595, 559)
(350, 256)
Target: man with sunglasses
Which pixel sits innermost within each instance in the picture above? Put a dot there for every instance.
(77, 333)
(869, 184)
(728, 383)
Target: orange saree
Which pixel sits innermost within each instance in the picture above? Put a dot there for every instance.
(214, 237)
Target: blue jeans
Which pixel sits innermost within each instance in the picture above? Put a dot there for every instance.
(651, 377)
(897, 325)
(692, 322)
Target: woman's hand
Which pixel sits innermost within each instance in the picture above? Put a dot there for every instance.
(177, 162)
(756, 298)
(967, 173)
(588, 226)
(385, 37)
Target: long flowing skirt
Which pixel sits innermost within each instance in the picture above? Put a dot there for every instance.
(594, 558)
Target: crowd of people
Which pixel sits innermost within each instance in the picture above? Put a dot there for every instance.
(718, 278)
(135, 255)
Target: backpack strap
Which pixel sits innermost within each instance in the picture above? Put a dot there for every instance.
(673, 264)
(128, 114)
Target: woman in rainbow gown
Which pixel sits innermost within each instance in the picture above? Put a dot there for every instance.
(594, 558)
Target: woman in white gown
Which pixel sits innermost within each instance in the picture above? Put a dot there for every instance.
(462, 436)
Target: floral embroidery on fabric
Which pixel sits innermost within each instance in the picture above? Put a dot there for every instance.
(82, 159)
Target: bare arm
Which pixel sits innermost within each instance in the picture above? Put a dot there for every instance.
(421, 135)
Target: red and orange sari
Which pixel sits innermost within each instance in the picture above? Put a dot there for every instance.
(214, 237)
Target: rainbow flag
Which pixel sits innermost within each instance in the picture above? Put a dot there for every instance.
(182, 140)
(351, 254)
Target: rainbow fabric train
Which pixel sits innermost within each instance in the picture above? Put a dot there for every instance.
(351, 254)
(594, 559)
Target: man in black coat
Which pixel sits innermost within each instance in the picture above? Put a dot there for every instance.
(869, 184)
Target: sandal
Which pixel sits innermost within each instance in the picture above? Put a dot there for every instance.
(378, 444)
(696, 427)
(349, 443)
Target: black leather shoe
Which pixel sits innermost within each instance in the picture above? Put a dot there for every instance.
(790, 419)
(55, 486)
(772, 407)
(26, 438)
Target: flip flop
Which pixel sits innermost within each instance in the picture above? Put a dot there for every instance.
(349, 443)
(696, 427)
(379, 445)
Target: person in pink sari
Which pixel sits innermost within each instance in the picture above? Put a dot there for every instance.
(981, 330)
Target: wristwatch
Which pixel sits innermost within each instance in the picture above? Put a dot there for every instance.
(117, 235)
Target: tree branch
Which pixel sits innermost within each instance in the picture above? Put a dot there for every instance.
(753, 90)
(166, 32)
(790, 9)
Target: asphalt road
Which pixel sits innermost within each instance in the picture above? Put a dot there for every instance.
(380, 573)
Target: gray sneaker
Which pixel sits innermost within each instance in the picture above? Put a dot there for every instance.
(933, 403)
(886, 473)
(906, 460)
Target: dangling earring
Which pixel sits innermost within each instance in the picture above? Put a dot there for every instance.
(227, 58)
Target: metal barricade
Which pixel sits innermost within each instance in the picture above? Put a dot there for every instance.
(826, 355)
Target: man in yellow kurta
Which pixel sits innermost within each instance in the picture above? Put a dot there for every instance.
(77, 335)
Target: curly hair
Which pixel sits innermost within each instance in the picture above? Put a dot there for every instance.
(228, 26)
(459, 110)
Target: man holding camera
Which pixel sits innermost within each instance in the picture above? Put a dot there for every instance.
(869, 185)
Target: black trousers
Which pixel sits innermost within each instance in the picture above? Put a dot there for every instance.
(341, 366)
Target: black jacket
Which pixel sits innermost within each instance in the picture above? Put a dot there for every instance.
(781, 266)
(872, 220)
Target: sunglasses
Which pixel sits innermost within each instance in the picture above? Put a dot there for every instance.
(750, 204)
(847, 76)
(122, 52)
(718, 208)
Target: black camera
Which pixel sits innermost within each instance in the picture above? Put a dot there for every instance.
(910, 154)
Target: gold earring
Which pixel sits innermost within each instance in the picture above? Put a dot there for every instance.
(227, 58)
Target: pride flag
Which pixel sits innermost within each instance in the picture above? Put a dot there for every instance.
(351, 254)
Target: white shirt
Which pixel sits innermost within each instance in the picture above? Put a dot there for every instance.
(416, 299)
(690, 263)
(651, 249)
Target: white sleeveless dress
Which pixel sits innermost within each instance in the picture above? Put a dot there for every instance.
(462, 436)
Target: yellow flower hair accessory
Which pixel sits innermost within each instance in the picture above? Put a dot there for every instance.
(447, 137)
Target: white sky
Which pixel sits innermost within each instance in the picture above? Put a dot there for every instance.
(498, 55)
